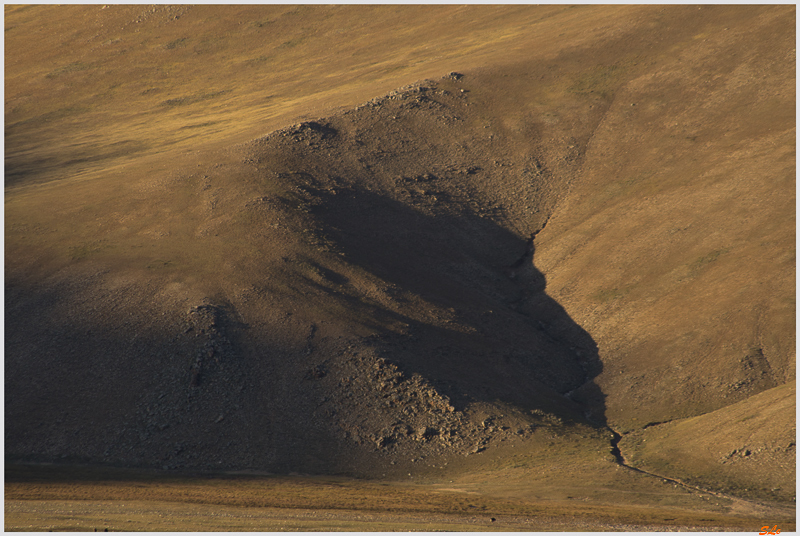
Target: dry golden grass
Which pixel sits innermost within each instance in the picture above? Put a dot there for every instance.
(140, 81)
(744, 446)
(80, 498)
(672, 242)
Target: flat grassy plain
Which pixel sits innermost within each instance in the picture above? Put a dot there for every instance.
(532, 487)
(41, 498)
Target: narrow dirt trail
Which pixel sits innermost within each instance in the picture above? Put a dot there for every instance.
(738, 505)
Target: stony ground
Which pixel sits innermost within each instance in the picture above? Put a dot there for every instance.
(222, 254)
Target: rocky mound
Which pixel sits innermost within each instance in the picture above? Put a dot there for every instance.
(428, 332)
(360, 290)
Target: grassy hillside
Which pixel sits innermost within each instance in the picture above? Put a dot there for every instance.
(745, 445)
(687, 196)
(92, 87)
(399, 241)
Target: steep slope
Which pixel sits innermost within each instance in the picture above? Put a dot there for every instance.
(568, 233)
(390, 265)
(687, 195)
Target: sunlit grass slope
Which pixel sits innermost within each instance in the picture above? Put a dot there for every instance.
(609, 190)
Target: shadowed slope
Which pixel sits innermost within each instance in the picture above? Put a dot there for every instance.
(182, 301)
(382, 328)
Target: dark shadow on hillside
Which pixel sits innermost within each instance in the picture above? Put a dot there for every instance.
(503, 338)
(108, 378)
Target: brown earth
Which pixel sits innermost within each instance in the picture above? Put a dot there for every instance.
(80, 498)
(550, 224)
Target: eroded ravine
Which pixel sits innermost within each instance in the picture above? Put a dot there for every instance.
(403, 231)
(738, 504)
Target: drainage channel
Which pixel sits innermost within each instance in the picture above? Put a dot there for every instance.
(620, 460)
